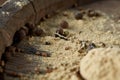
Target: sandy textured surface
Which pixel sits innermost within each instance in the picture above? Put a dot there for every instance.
(66, 54)
(66, 62)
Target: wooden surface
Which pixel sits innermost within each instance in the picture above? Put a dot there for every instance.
(2, 1)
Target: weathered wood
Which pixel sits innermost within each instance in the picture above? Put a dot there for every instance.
(82, 2)
(11, 19)
(2, 1)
